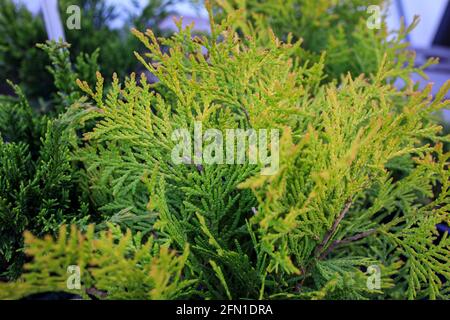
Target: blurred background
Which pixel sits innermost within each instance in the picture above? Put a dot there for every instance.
(430, 39)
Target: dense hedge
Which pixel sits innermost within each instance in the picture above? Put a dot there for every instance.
(362, 181)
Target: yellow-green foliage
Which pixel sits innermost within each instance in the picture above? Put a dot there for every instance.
(356, 182)
(113, 266)
(333, 30)
(363, 178)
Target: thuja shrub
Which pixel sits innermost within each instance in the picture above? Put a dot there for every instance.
(22, 62)
(362, 179)
(40, 187)
(337, 31)
(121, 266)
(97, 19)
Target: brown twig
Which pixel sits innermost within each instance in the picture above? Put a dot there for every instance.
(319, 249)
(331, 232)
(356, 237)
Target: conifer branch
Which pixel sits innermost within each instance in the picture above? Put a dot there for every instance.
(327, 237)
(331, 232)
(252, 235)
(347, 240)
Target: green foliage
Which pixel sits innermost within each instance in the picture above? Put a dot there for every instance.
(334, 29)
(37, 194)
(112, 266)
(65, 73)
(39, 185)
(363, 177)
(96, 22)
(21, 62)
(336, 195)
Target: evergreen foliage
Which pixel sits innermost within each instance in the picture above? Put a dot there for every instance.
(336, 29)
(113, 266)
(96, 21)
(363, 178)
(21, 62)
(39, 186)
